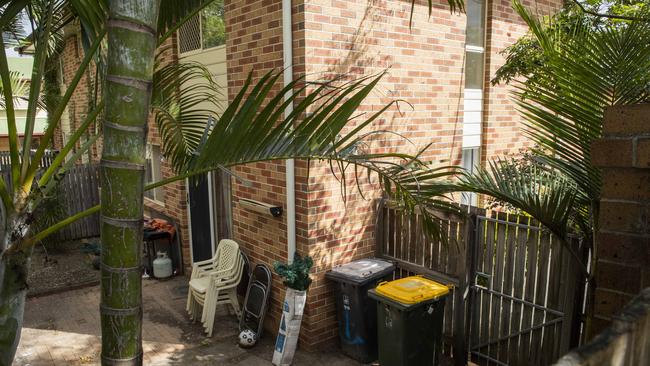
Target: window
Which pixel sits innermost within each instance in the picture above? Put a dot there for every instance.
(474, 70)
(475, 23)
(471, 162)
(474, 79)
(474, 73)
(205, 30)
(153, 173)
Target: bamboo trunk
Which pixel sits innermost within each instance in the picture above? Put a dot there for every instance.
(131, 47)
(13, 289)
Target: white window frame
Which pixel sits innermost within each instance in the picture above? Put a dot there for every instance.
(155, 164)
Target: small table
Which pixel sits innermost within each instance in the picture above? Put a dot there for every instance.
(150, 237)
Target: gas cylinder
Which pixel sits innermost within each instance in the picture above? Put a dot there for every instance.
(162, 266)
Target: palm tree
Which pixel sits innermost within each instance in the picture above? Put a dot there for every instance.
(252, 128)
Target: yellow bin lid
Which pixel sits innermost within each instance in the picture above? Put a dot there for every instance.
(412, 290)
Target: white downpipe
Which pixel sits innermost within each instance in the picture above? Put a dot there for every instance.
(287, 51)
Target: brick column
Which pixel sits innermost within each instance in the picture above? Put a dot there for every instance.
(623, 238)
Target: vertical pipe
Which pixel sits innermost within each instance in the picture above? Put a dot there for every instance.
(290, 178)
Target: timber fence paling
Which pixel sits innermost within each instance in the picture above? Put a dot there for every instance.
(508, 279)
(80, 192)
(402, 240)
(529, 279)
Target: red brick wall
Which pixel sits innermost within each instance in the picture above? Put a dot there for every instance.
(77, 108)
(425, 64)
(254, 43)
(623, 239)
(425, 67)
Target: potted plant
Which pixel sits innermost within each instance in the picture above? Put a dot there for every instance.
(296, 278)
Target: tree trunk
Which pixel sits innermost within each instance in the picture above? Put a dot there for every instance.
(13, 289)
(131, 47)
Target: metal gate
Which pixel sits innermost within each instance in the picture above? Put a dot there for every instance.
(518, 292)
(526, 293)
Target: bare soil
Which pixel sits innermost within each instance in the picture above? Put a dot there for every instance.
(61, 268)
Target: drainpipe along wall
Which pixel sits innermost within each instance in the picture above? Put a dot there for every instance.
(287, 51)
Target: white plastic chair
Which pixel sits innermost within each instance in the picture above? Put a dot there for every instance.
(214, 282)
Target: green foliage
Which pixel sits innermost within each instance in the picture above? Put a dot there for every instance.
(522, 163)
(185, 97)
(255, 128)
(94, 248)
(51, 83)
(50, 211)
(296, 274)
(213, 24)
(19, 87)
(526, 58)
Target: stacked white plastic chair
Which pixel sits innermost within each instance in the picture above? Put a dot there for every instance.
(214, 282)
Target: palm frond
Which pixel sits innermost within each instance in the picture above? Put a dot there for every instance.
(254, 128)
(13, 27)
(19, 88)
(455, 6)
(92, 15)
(547, 195)
(564, 110)
(185, 98)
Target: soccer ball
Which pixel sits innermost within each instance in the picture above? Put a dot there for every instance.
(247, 338)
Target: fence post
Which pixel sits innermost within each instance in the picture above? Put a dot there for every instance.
(463, 294)
(379, 228)
(582, 249)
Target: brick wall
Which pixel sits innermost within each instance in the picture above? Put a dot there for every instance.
(254, 44)
(425, 67)
(77, 108)
(623, 239)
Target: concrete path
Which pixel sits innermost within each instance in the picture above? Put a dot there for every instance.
(63, 329)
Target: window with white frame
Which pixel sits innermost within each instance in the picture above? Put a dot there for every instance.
(153, 172)
(474, 73)
(473, 95)
(204, 31)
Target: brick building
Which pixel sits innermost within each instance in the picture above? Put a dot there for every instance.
(440, 64)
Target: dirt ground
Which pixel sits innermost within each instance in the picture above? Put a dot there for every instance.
(61, 267)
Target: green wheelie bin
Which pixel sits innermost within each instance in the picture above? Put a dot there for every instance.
(409, 321)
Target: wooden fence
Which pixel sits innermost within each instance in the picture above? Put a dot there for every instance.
(80, 191)
(516, 292)
(46, 160)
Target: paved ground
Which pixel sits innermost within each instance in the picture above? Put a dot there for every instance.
(63, 329)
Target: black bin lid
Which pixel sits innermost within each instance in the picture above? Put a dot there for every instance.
(361, 271)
